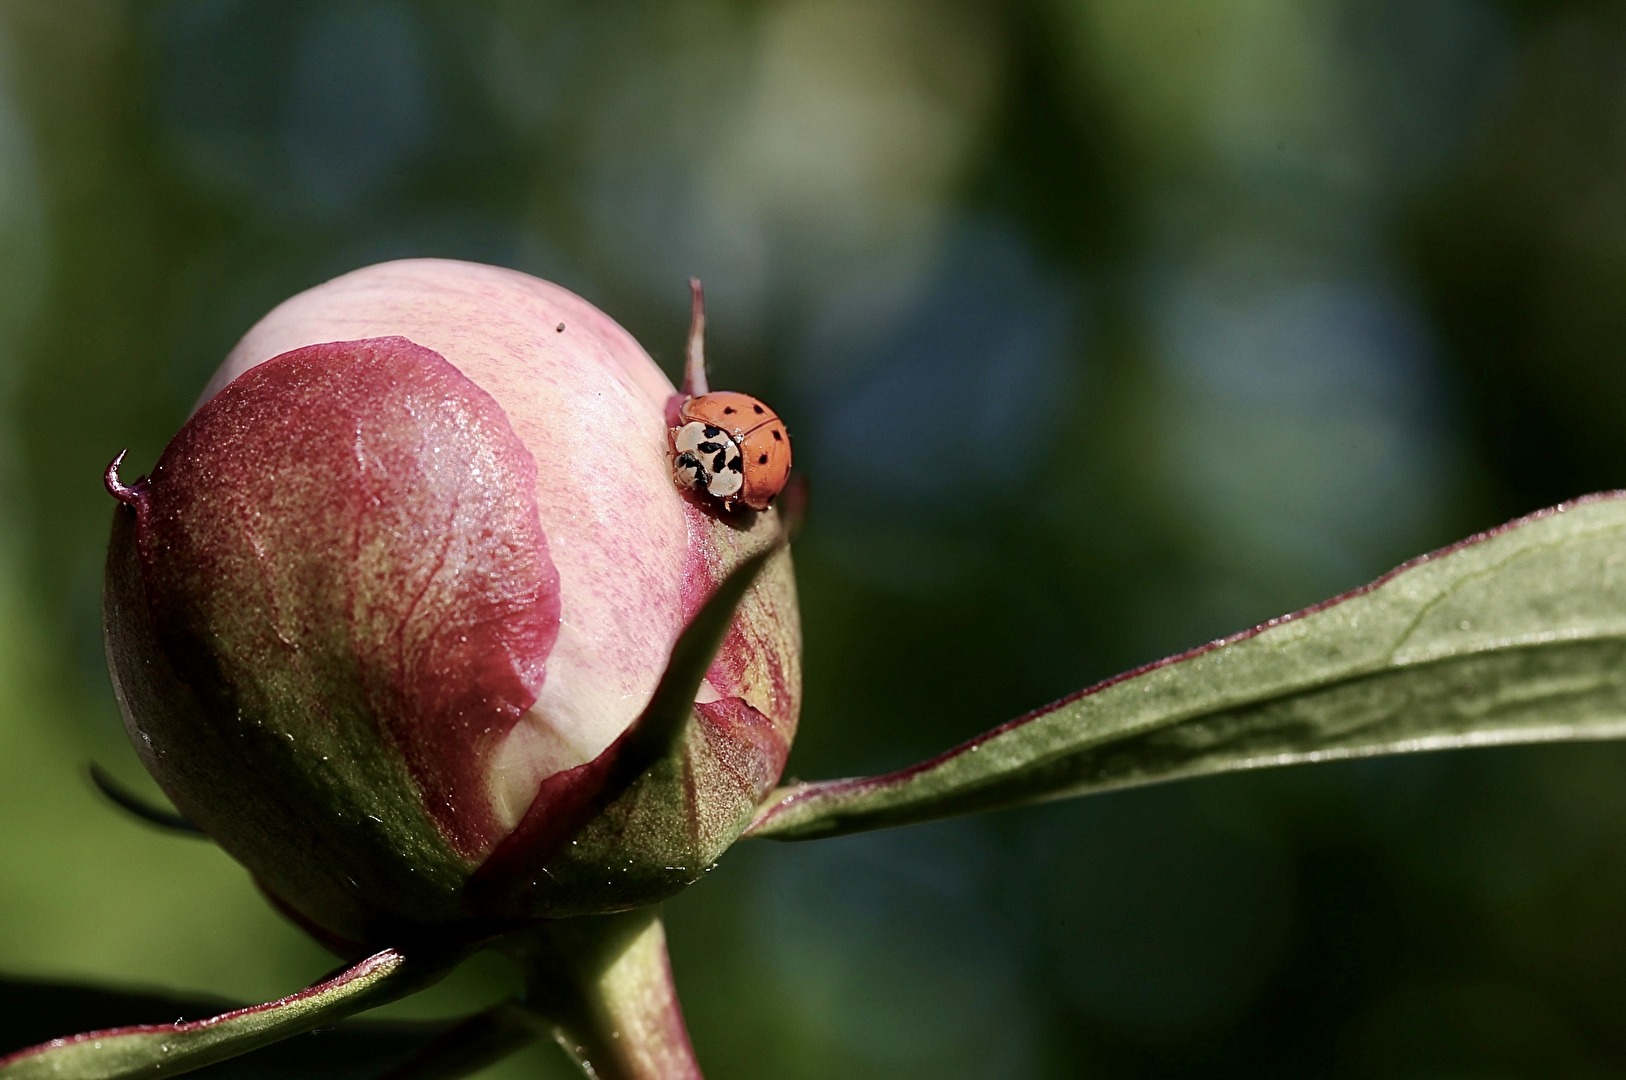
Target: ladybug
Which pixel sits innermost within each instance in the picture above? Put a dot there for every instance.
(728, 446)
(732, 447)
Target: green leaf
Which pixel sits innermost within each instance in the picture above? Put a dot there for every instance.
(33, 1010)
(168, 1049)
(1517, 635)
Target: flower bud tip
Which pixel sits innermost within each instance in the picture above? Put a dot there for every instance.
(694, 369)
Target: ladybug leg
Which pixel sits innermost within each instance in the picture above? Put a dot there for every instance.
(694, 368)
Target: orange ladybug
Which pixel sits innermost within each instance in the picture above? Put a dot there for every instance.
(727, 445)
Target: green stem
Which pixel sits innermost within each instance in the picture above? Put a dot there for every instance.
(604, 987)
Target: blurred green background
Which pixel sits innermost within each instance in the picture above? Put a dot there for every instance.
(1171, 317)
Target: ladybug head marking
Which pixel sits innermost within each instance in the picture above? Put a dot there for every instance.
(706, 463)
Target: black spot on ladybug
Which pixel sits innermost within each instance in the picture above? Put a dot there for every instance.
(777, 436)
(728, 410)
(762, 459)
(734, 466)
(709, 447)
(712, 433)
(719, 461)
(757, 409)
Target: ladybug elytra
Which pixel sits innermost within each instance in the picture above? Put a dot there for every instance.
(727, 446)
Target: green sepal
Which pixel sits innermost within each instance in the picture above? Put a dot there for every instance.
(667, 803)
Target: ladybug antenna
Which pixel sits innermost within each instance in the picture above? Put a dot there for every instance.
(694, 369)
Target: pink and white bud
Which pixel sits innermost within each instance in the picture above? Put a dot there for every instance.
(414, 564)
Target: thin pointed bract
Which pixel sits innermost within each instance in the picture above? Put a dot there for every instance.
(480, 1040)
(694, 359)
(152, 1050)
(136, 806)
(1517, 635)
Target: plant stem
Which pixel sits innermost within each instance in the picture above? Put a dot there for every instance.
(603, 985)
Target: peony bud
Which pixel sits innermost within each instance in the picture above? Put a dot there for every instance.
(388, 604)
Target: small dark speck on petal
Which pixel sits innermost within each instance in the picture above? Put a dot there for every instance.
(560, 328)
